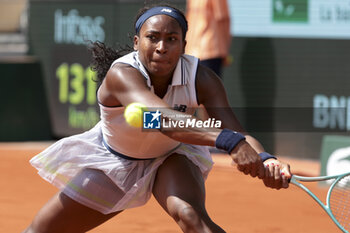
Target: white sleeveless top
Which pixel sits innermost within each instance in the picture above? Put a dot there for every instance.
(138, 143)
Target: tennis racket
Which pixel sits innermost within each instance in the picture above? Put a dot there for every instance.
(338, 197)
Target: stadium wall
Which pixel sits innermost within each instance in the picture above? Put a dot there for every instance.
(288, 92)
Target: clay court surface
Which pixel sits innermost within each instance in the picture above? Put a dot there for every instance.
(236, 202)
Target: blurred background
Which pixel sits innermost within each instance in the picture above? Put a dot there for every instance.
(288, 75)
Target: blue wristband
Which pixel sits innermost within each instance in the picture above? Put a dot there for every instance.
(228, 139)
(265, 156)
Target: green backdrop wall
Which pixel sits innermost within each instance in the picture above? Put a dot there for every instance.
(24, 113)
(290, 93)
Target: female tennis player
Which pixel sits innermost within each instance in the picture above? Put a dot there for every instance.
(114, 166)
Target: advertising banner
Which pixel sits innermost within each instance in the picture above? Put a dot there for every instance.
(291, 18)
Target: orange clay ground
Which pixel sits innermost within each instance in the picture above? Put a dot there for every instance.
(236, 202)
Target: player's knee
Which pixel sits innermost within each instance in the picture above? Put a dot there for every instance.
(29, 230)
(189, 216)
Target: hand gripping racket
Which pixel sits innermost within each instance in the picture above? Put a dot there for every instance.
(338, 197)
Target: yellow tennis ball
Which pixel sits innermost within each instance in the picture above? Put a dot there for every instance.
(133, 114)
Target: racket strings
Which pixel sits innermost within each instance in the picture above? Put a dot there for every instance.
(339, 202)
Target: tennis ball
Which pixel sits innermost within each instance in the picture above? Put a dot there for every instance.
(133, 114)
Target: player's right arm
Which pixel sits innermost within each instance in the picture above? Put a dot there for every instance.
(124, 85)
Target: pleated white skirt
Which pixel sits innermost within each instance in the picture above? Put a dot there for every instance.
(86, 171)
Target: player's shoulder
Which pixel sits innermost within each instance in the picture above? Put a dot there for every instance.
(122, 75)
(120, 70)
(206, 76)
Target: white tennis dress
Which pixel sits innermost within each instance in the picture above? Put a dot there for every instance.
(84, 169)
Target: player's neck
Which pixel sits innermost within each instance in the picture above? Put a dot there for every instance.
(161, 84)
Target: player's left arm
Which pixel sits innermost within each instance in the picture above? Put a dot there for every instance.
(211, 93)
